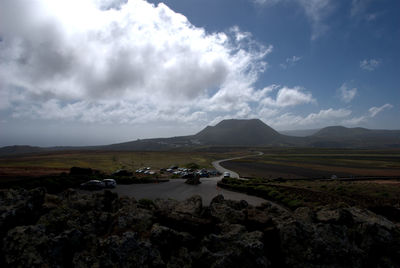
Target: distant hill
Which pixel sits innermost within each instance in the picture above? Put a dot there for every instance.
(244, 133)
(299, 132)
(20, 149)
(236, 132)
(339, 136)
(341, 132)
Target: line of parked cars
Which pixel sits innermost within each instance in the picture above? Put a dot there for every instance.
(189, 173)
(145, 170)
(98, 185)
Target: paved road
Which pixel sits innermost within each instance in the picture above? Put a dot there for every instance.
(179, 190)
(217, 164)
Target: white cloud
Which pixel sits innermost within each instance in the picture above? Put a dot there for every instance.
(360, 9)
(110, 61)
(267, 2)
(373, 111)
(347, 94)
(369, 65)
(321, 119)
(355, 121)
(291, 61)
(292, 96)
(316, 11)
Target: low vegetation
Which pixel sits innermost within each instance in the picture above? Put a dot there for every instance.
(314, 163)
(382, 197)
(261, 189)
(52, 164)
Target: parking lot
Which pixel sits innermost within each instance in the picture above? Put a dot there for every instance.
(179, 190)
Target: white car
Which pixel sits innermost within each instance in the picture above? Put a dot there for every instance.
(110, 183)
(93, 185)
(227, 175)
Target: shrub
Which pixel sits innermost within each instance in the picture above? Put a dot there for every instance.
(192, 166)
(146, 203)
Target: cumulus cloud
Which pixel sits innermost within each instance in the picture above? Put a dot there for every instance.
(373, 111)
(347, 94)
(321, 119)
(369, 65)
(289, 62)
(121, 61)
(289, 97)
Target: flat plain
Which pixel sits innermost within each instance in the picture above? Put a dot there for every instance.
(309, 163)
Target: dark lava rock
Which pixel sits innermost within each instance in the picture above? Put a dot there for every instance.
(104, 230)
(122, 172)
(78, 171)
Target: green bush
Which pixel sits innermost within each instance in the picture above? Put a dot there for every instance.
(146, 203)
(192, 166)
(293, 204)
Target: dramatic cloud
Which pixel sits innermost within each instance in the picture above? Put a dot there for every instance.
(101, 61)
(289, 62)
(369, 65)
(373, 111)
(347, 94)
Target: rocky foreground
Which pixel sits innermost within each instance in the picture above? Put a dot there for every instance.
(104, 230)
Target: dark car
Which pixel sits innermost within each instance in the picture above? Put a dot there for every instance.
(186, 175)
(93, 185)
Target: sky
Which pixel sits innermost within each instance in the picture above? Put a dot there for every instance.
(92, 72)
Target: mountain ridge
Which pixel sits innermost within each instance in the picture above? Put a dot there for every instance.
(244, 133)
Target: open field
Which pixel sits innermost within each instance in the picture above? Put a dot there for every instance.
(106, 161)
(295, 163)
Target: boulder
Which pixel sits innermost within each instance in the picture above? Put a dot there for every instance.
(20, 207)
(228, 211)
(234, 247)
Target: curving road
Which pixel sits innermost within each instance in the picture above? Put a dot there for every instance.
(217, 164)
(179, 190)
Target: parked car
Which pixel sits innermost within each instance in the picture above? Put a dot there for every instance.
(212, 173)
(186, 175)
(93, 185)
(204, 174)
(110, 183)
(227, 175)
